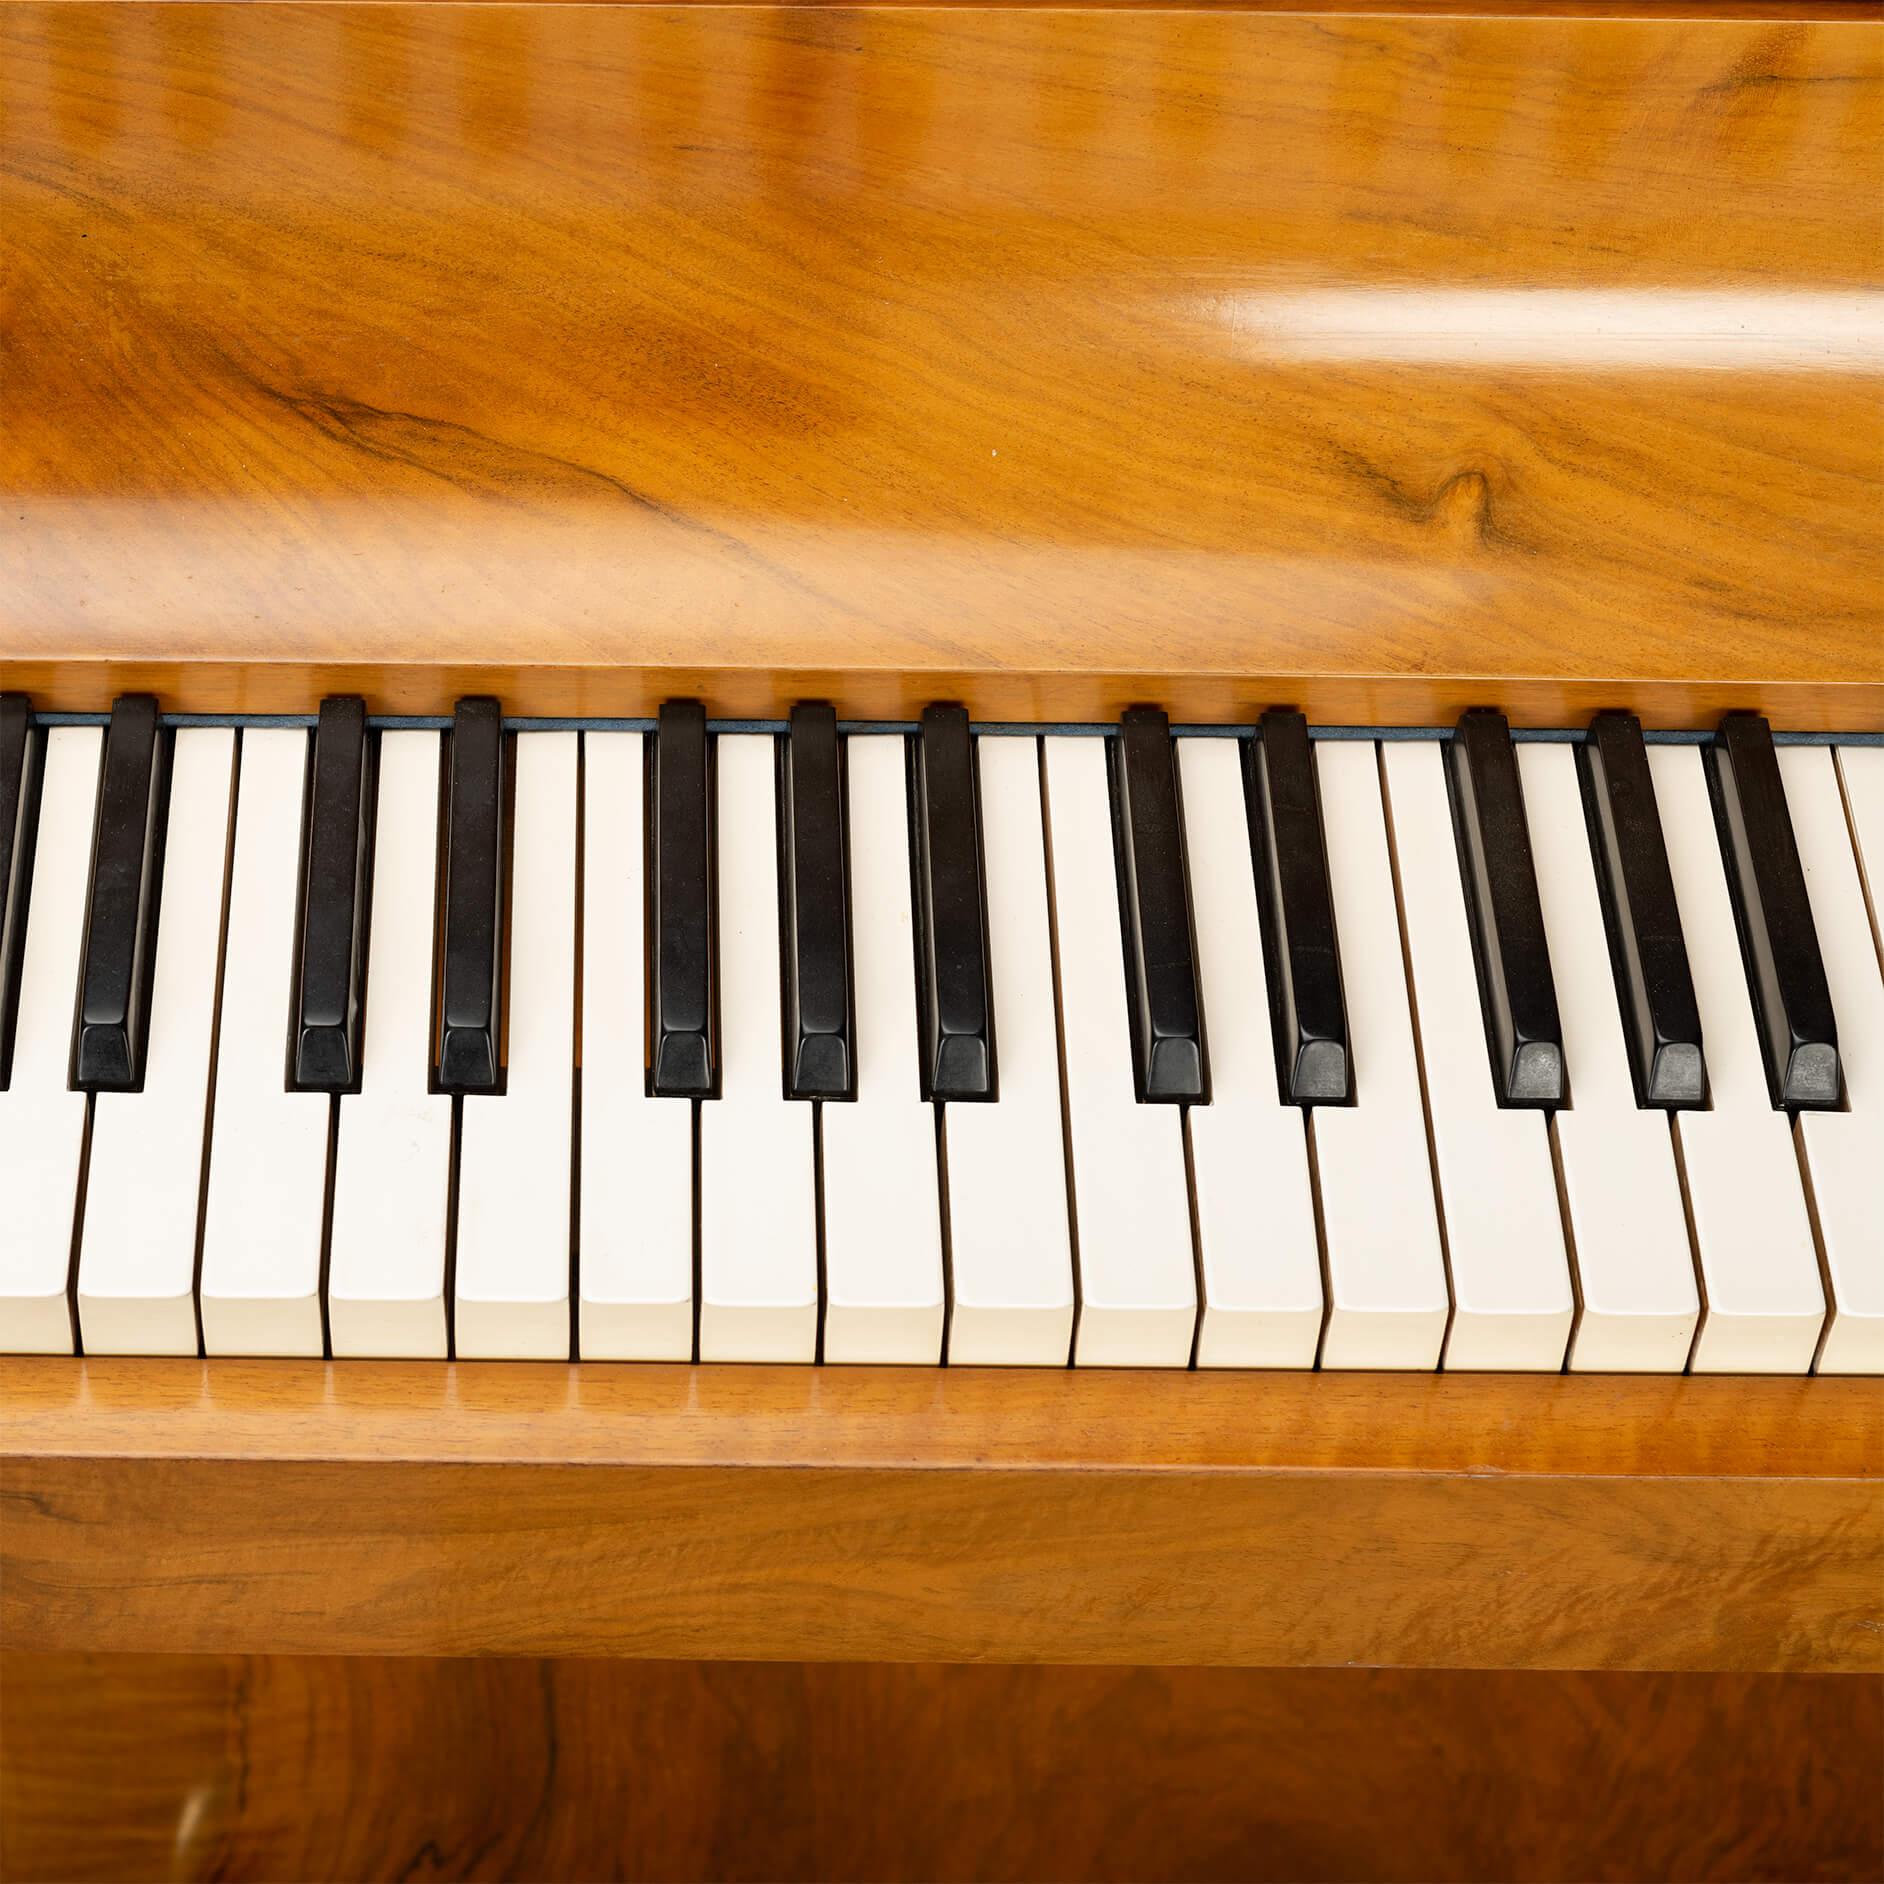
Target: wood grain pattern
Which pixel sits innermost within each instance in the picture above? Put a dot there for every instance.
(772, 1514)
(1045, 359)
(255, 1767)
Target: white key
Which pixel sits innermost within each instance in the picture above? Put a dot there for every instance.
(260, 1289)
(1131, 1202)
(1763, 1303)
(758, 1190)
(512, 1296)
(1504, 1233)
(137, 1251)
(882, 1212)
(1861, 770)
(1249, 1149)
(392, 1155)
(1635, 1265)
(1844, 1151)
(42, 1123)
(1386, 1273)
(636, 1261)
(1010, 1246)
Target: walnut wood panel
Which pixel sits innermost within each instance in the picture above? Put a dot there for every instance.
(943, 1515)
(1048, 359)
(259, 1767)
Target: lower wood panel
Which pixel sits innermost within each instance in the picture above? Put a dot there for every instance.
(1275, 1570)
(266, 1767)
(942, 1514)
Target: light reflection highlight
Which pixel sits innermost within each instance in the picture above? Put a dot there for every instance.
(1594, 329)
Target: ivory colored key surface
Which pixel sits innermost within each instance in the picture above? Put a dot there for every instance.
(137, 1251)
(635, 1267)
(882, 1215)
(1249, 1149)
(42, 1123)
(1861, 771)
(1387, 1278)
(1511, 1302)
(1764, 1305)
(1628, 1231)
(392, 1153)
(1010, 1248)
(512, 1296)
(266, 1202)
(1844, 1151)
(758, 1189)
(1131, 1203)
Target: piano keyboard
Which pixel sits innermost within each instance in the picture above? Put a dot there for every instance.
(1005, 1046)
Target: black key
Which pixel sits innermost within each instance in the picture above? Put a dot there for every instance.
(1306, 1006)
(1507, 920)
(1659, 1016)
(121, 912)
(958, 1033)
(1791, 1001)
(682, 908)
(19, 780)
(470, 1023)
(1155, 908)
(333, 904)
(817, 922)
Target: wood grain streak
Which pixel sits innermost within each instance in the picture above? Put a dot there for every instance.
(1047, 359)
(270, 1767)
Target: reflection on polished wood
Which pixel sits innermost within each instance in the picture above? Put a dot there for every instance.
(1050, 359)
(959, 1514)
(269, 1767)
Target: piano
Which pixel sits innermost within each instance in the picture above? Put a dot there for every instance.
(1034, 855)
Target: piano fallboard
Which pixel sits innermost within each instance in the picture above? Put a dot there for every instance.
(1048, 359)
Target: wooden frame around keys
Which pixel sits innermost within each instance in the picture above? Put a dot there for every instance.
(942, 1514)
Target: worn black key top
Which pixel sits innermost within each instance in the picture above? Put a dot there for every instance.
(121, 911)
(1155, 908)
(1507, 919)
(470, 1022)
(683, 1032)
(333, 904)
(1660, 1018)
(958, 1034)
(1792, 1002)
(1307, 1008)
(18, 789)
(817, 922)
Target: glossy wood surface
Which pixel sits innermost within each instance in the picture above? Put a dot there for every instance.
(482, 1413)
(882, 1514)
(1048, 359)
(271, 1767)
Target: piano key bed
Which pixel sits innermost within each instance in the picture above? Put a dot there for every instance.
(1242, 1047)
